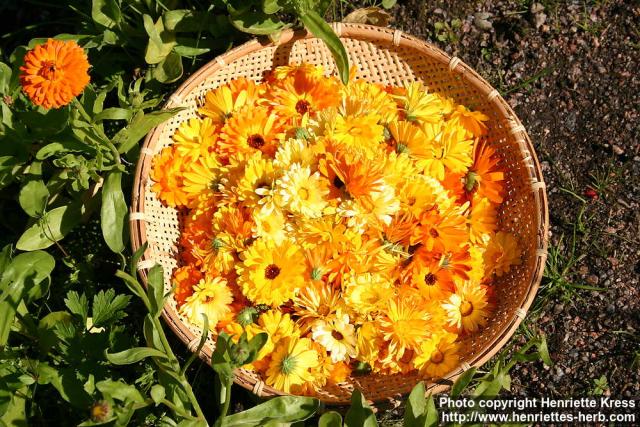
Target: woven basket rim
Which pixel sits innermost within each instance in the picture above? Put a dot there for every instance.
(374, 34)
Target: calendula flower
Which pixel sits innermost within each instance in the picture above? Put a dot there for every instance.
(316, 301)
(296, 71)
(502, 252)
(210, 297)
(367, 293)
(195, 138)
(303, 192)
(361, 134)
(369, 341)
(337, 335)
(184, 279)
(467, 308)
(270, 273)
(168, 180)
(291, 363)
(446, 231)
(221, 103)
(471, 121)
(294, 151)
(484, 177)
(361, 97)
(409, 138)
(258, 179)
(451, 151)
(302, 96)
(403, 326)
(200, 179)
(438, 355)
(420, 106)
(277, 325)
(482, 219)
(54, 73)
(250, 130)
(270, 225)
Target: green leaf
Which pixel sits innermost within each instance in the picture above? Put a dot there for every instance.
(161, 41)
(134, 355)
(330, 419)
(119, 390)
(432, 418)
(319, 28)
(462, 382)
(107, 307)
(543, 349)
(33, 198)
(140, 126)
(52, 227)
(157, 393)
(272, 6)
(5, 78)
(255, 344)
(169, 69)
(66, 382)
(388, 4)
(63, 147)
(360, 414)
(114, 213)
(47, 337)
(155, 291)
(414, 413)
(112, 114)
(284, 409)
(77, 304)
(106, 13)
(256, 22)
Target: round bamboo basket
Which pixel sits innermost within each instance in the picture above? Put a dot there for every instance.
(390, 57)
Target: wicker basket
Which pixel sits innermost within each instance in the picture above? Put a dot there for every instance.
(385, 56)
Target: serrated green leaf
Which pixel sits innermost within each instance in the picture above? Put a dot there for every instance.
(108, 307)
(330, 419)
(360, 414)
(52, 227)
(77, 304)
(284, 409)
(134, 355)
(114, 213)
(319, 28)
(33, 198)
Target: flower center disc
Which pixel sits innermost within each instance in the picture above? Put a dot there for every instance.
(256, 141)
(437, 357)
(430, 279)
(271, 272)
(337, 335)
(466, 308)
(302, 106)
(48, 70)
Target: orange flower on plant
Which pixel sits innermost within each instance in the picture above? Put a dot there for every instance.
(54, 73)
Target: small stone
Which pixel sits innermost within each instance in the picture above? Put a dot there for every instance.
(540, 19)
(537, 7)
(617, 149)
(481, 21)
(593, 279)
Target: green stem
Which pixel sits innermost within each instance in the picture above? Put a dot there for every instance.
(227, 399)
(101, 134)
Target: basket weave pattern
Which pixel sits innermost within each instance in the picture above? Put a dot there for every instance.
(384, 56)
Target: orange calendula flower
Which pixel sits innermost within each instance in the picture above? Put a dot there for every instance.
(54, 73)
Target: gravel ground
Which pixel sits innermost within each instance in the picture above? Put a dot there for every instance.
(569, 69)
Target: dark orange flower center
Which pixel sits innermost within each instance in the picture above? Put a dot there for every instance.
(48, 70)
(302, 106)
(323, 310)
(437, 357)
(256, 141)
(337, 335)
(271, 272)
(407, 356)
(466, 308)
(430, 279)
(434, 233)
(337, 182)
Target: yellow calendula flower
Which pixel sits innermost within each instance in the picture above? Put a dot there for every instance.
(210, 297)
(291, 363)
(303, 192)
(468, 308)
(502, 252)
(420, 106)
(195, 138)
(272, 273)
(257, 181)
(358, 133)
(471, 121)
(450, 151)
(482, 219)
(367, 293)
(316, 301)
(438, 355)
(294, 151)
(222, 102)
(403, 326)
(270, 225)
(369, 341)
